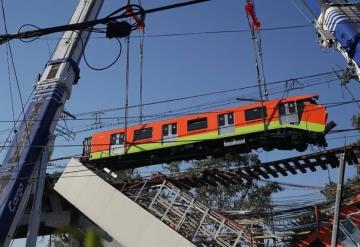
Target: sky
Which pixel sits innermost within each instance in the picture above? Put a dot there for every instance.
(177, 66)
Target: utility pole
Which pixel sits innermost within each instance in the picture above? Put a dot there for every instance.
(335, 230)
(35, 215)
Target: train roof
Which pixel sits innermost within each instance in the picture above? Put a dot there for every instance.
(300, 97)
(250, 105)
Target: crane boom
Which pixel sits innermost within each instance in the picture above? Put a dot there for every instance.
(338, 25)
(40, 118)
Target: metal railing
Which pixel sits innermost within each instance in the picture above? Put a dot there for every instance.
(190, 218)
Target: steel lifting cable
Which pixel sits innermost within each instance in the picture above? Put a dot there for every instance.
(140, 24)
(127, 74)
(254, 25)
(141, 51)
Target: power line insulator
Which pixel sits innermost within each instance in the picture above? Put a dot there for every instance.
(118, 29)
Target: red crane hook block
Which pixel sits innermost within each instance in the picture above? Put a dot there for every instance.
(250, 11)
(139, 23)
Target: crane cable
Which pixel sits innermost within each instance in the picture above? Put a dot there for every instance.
(139, 23)
(254, 25)
(127, 74)
(141, 51)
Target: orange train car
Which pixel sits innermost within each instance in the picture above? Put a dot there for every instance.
(286, 124)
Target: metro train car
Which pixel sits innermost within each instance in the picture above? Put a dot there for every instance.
(285, 124)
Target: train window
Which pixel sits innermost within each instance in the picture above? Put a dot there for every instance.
(300, 106)
(230, 118)
(222, 120)
(173, 129)
(87, 146)
(142, 134)
(255, 113)
(165, 130)
(292, 107)
(282, 110)
(226, 119)
(169, 129)
(197, 124)
(117, 138)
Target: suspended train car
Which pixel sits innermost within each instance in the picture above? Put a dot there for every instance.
(286, 124)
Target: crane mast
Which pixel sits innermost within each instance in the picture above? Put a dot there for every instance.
(36, 129)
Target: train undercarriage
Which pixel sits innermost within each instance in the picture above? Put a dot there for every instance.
(284, 139)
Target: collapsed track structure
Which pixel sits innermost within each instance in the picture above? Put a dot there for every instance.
(191, 222)
(322, 160)
(166, 197)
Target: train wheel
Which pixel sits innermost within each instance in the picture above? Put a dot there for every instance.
(301, 147)
(268, 148)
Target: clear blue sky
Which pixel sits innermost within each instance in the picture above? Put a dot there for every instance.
(181, 65)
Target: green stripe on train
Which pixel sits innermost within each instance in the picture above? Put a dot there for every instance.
(213, 135)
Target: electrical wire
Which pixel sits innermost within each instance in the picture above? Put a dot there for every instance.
(179, 114)
(141, 81)
(30, 40)
(198, 33)
(113, 17)
(215, 93)
(104, 67)
(302, 12)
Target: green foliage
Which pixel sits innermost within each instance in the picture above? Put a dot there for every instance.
(329, 191)
(173, 167)
(351, 185)
(92, 238)
(88, 238)
(126, 175)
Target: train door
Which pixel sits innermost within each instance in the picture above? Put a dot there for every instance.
(226, 123)
(87, 146)
(289, 113)
(117, 144)
(169, 133)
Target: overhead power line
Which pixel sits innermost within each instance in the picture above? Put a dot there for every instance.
(328, 105)
(199, 33)
(113, 17)
(209, 93)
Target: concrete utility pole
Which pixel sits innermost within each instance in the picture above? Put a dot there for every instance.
(334, 236)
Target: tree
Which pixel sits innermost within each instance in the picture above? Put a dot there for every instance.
(247, 196)
(86, 238)
(351, 185)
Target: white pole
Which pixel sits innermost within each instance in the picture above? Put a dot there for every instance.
(334, 236)
(34, 220)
